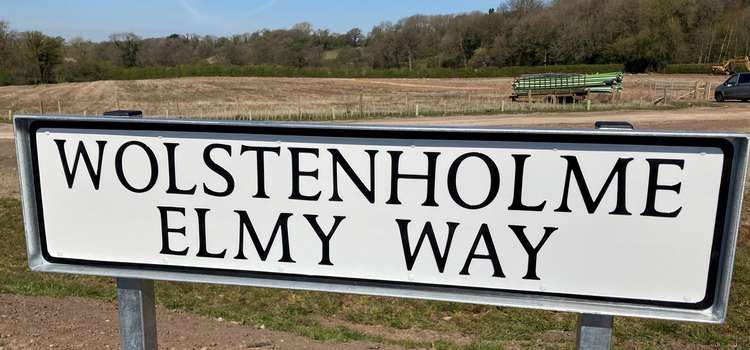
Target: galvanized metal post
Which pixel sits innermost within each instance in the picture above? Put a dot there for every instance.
(135, 298)
(594, 332)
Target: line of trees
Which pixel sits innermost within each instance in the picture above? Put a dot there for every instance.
(645, 35)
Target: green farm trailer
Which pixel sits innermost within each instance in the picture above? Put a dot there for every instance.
(564, 87)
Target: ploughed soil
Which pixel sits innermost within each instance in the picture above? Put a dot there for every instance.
(227, 96)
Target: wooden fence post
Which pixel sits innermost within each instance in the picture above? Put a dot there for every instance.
(10, 114)
(695, 92)
(299, 108)
(361, 105)
(406, 103)
(416, 109)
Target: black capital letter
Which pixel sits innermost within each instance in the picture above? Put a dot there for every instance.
(297, 173)
(411, 256)
(166, 230)
(203, 247)
(517, 204)
(218, 169)
(81, 152)
(339, 160)
(494, 180)
(430, 177)
(281, 225)
(261, 163)
(325, 239)
(152, 162)
(484, 234)
(653, 186)
(173, 188)
(532, 252)
(574, 168)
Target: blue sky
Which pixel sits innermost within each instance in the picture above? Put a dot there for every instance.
(95, 20)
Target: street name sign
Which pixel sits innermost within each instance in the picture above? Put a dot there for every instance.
(629, 223)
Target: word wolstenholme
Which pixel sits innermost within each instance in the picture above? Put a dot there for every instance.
(379, 176)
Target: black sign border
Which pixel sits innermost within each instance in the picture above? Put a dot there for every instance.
(725, 145)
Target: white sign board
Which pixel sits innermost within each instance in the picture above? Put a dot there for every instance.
(618, 218)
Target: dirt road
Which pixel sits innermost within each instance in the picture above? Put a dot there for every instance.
(728, 117)
(6, 132)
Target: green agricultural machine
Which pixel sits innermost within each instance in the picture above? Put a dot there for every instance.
(564, 87)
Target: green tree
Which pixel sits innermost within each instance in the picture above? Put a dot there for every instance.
(80, 62)
(660, 37)
(4, 39)
(4, 54)
(46, 53)
(354, 37)
(480, 59)
(128, 44)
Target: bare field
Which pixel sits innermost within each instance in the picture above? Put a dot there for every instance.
(246, 97)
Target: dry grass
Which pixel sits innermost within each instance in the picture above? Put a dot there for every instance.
(304, 98)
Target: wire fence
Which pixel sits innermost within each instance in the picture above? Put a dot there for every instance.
(667, 91)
